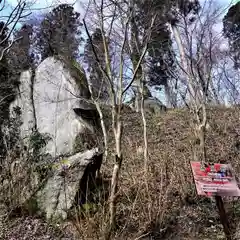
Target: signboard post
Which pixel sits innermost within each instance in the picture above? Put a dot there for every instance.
(223, 217)
(216, 180)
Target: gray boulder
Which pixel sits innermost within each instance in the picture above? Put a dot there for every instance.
(47, 99)
(53, 194)
(57, 196)
(151, 105)
(155, 106)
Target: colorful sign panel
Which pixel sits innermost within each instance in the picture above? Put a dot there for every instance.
(216, 179)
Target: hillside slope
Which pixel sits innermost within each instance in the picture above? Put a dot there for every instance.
(164, 204)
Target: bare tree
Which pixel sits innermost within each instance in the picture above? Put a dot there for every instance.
(114, 21)
(10, 21)
(197, 46)
(226, 80)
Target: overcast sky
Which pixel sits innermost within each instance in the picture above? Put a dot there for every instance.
(46, 3)
(43, 4)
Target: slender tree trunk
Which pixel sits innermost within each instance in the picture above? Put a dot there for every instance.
(144, 131)
(105, 138)
(202, 144)
(138, 83)
(202, 130)
(137, 100)
(103, 126)
(198, 100)
(135, 47)
(194, 93)
(117, 128)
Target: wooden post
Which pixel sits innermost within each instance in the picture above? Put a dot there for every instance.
(223, 217)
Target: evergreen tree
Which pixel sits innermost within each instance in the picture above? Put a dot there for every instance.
(20, 54)
(6, 86)
(231, 23)
(161, 56)
(161, 60)
(59, 33)
(98, 82)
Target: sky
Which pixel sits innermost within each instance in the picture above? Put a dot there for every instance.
(44, 3)
(41, 5)
(47, 3)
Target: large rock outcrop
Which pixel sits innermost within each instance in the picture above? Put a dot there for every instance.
(48, 98)
(57, 196)
(43, 170)
(49, 192)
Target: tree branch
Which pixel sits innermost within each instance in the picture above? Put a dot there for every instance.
(96, 57)
(142, 56)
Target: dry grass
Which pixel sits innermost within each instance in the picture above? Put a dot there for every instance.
(163, 204)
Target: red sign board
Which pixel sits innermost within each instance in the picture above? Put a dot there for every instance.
(215, 180)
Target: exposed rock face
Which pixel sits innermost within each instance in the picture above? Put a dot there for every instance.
(49, 191)
(151, 105)
(48, 97)
(154, 105)
(53, 102)
(58, 194)
(23, 101)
